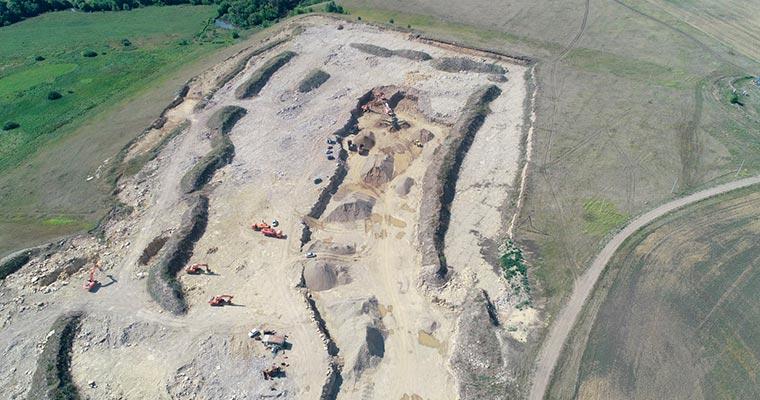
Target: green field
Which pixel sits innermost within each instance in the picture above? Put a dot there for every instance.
(676, 312)
(155, 35)
(107, 100)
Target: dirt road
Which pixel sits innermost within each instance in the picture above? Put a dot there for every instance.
(564, 322)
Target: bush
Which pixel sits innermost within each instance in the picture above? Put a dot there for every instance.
(331, 7)
(391, 21)
(735, 100)
(10, 125)
(235, 35)
(125, 42)
(53, 95)
(39, 58)
(89, 53)
(359, 18)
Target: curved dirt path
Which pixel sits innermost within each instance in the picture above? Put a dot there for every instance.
(554, 343)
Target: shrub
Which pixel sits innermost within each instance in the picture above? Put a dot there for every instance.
(89, 53)
(235, 35)
(53, 95)
(331, 7)
(10, 125)
(735, 100)
(39, 58)
(359, 18)
(391, 21)
(125, 42)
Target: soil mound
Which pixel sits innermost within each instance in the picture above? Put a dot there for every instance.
(313, 80)
(426, 136)
(402, 189)
(324, 275)
(379, 170)
(462, 64)
(342, 249)
(383, 52)
(352, 211)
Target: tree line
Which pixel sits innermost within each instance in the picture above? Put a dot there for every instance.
(242, 13)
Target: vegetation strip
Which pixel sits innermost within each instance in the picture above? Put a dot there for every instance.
(52, 379)
(261, 76)
(440, 183)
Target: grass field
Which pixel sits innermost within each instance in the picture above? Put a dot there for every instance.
(154, 36)
(625, 116)
(676, 312)
(107, 100)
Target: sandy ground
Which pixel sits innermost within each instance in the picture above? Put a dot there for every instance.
(386, 328)
(564, 322)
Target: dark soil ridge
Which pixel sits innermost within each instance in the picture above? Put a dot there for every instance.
(459, 64)
(314, 79)
(222, 149)
(440, 181)
(383, 52)
(15, 261)
(52, 379)
(334, 379)
(162, 278)
(162, 283)
(261, 76)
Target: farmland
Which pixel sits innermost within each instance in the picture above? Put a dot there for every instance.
(675, 310)
(59, 143)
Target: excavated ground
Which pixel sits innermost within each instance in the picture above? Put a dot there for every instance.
(358, 320)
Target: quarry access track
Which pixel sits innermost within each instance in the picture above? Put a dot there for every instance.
(563, 324)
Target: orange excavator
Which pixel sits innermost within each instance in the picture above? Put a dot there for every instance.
(258, 226)
(197, 268)
(221, 300)
(91, 283)
(273, 233)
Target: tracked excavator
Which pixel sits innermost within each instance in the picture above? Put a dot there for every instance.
(197, 268)
(221, 300)
(91, 283)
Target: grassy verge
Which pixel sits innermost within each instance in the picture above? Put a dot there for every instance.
(260, 77)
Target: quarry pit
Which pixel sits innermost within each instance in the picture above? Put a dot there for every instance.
(389, 163)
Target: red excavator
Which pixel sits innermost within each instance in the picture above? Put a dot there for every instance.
(258, 226)
(91, 283)
(274, 233)
(197, 268)
(221, 300)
